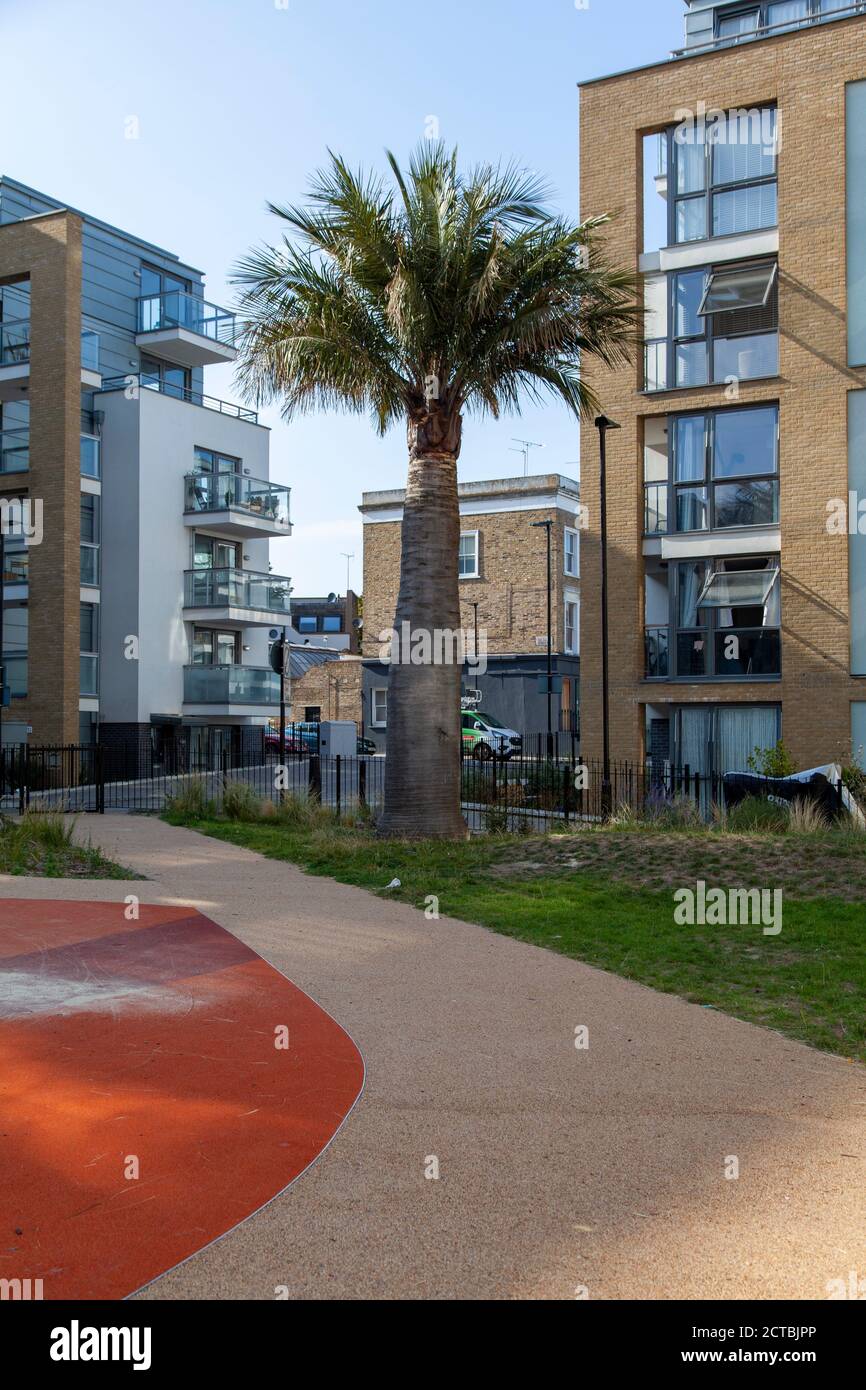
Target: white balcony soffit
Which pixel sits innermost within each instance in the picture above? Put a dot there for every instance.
(740, 247)
(181, 345)
(754, 540)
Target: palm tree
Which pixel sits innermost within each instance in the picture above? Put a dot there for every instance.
(421, 300)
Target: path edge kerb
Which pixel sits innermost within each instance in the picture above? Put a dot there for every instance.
(313, 1161)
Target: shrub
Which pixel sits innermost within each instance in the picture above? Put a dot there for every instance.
(806, 818)
(240, 802)
(47, 829)
(496, 820)
(757, 814)
(296, 812)
(772, 762)
(190, 800)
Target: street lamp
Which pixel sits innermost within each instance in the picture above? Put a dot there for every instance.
(603, 424)
(547, 525)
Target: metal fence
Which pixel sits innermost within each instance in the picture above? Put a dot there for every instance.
(529, 791)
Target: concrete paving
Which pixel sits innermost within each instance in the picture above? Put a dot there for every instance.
(563, 1172)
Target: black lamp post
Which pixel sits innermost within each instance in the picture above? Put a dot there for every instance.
(547, 525)
(603, 424)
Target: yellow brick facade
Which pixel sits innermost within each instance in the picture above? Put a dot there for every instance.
(805, 73)
(47, 250)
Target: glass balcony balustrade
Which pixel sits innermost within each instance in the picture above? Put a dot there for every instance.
(220, 492)
(15, 345)
(234, 588)
(230, 685)
(178, 309)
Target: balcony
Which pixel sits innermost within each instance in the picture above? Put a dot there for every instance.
(236, 505)
(14, 451)
(227, 689)
(134, 382)
(236, 598)
(752, 28)
(15, 359)
(184, 329)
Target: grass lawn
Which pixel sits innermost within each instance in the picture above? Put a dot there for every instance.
(605, 897)
(43, 845)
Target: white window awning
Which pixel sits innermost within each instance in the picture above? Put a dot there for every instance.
(737, 588)
(741, 287)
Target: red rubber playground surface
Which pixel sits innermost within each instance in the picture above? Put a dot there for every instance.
(148, 1047)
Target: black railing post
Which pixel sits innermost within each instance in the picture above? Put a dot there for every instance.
(315, 778)
(99, 770)
(338, 784)
(362, 783)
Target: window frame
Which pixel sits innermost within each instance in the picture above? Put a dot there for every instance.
(476, 573)
(573, 648)
(574, 534)
(710, 190)
(91, 653)
(709, 482)
(762, 8)
(709, 335)
(708, 630)
(375, 692)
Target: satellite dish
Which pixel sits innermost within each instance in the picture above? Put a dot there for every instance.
(274, 634)
(358, 624)
(332, 598)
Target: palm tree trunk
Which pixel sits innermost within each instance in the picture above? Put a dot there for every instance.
(422, 772)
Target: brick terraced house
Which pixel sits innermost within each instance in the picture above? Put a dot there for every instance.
(503, 583)
(736, 173)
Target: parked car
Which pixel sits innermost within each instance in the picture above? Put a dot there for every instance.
(485, 737)
(301, 740)
(366, 747)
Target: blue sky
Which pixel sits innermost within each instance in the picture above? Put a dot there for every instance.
(237, 101)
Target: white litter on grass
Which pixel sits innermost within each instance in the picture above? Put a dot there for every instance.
(395, 883)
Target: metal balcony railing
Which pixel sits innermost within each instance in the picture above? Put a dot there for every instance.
(177, 309)
(844, 10)
(234, 588)
(134, 382)
(230, 685)
(220, 492)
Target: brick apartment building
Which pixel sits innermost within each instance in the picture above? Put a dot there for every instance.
(736, 171)
(142, 613)
(503, 570)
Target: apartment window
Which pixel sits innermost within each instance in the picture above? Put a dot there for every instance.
(725, 324)
(16, 622)
(155, 281)
(87, 727)
(727, 618)
(209, 461)
(723, 176)
(379, 707)
(211, 647)
(332, 622)
(572, 627)
(571, 553)
(211, 553)
(89, 538)
(165, 377)
(89, 456)
(775, 16)
(89, 649)
(724, 469)
(468, 561)
(308, 623)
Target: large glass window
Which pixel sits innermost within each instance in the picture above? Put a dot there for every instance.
(727, 618)
(468, 559)
(89, 538)
(213, 648)
(724, 468)
(571, 557)
(725, 324)
(89, 649)
(724, 172)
